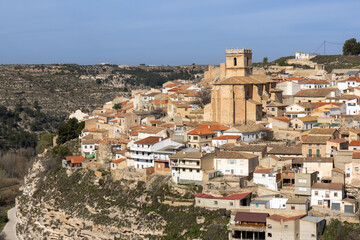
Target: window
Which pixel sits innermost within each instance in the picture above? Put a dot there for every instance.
(269, 226)
(85, 147)
(292, 207)
(318, 152)
(312, 235)
(231, 161)
(310, 152)
(335, 194)
(269, 235)
(195, 138)
(216, 202)
(348, 175)
(263, 175)
(231, 204)
(316, 193)
(286, 226)
(189, 137)
(357, 169)
(199, 201)
(320, 202)
(197, 170)
(235, 62)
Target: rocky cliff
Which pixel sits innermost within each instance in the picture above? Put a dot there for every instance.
(80, 204)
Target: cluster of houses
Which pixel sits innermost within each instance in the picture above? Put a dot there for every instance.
(281, 154)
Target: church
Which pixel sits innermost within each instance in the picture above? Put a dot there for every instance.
(240, 97)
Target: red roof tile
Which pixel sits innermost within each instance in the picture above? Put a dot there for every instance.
(76, 159)
(150, 140)
(354, 143)
(119, 160)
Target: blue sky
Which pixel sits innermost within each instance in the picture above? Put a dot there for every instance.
(162, 32)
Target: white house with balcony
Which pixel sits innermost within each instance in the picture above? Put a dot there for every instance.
(143, 152)
(266, 177)
(328, 195)
(192, 166)
(352, 103)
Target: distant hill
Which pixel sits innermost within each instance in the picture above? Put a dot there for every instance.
(337, 61)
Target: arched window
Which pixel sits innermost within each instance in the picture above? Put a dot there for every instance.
(235, 61)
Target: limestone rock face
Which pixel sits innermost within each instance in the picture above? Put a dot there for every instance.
(45, 213)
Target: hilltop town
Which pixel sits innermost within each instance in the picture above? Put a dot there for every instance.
(277, 146)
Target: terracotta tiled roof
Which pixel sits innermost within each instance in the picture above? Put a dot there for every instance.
(282, 119)
(119, 160)
(214, 127)
(244, 80)
(201, 131)
(244, 148)
(238, 196)
(150, 140)
(313, 81)
(151, 129)
(284, 150)
(250, 217)
(354, 143)
(294, 78)
(338, 140)
(356, 155)
(318, 92)
(322, 131)
(308, 119)
(331, 186)
(263, 170)
(338, 170)
(234, 155)
(76, 159)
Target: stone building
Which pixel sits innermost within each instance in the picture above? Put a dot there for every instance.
(241, 97)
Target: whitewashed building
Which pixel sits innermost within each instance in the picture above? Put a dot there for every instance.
(327, 195)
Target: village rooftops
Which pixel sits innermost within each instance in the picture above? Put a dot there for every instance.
(245, 80)
(238, 196)
(189, 153)
(330, 186)
(245, 148)
(316, 139)
(151, 129)
(346, 96)
(284, 150)
(308, 119)
(250, 217)
(150, 140)
(263, 170)
(318, 92)
(282, 119)
(201, 131)
(234, 155)
(276, 104)
(322, 131)
(338, 140)
(314, 81)
(214, 127)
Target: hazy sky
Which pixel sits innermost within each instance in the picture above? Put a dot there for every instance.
(169, 31)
